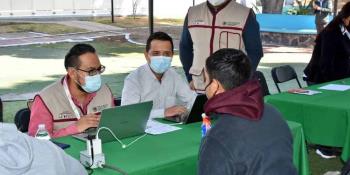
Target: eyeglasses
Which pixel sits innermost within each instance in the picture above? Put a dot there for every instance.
(93, 72)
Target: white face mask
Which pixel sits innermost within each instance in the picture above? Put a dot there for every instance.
(216, 2)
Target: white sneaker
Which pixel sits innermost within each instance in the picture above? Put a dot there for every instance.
(325, 156)
(332, 173)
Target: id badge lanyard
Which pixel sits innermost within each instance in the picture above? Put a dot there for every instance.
(69, 96)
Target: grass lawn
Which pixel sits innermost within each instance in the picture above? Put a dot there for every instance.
(11, 27)
(107, 47)
(319, 166)
(129, 22)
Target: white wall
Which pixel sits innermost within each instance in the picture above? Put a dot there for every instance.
(34, 8)
(172, 8)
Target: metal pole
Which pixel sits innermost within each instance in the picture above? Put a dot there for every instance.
(112, 11)
(194, 2)
(33, 8)
(53, 7)
(150, 16)
(11, 8)
(74, 9)
(335, 8)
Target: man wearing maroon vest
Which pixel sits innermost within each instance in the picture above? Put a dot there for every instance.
(73, 103)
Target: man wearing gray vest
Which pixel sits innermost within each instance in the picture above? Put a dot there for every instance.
(72, 104)
(213, 25)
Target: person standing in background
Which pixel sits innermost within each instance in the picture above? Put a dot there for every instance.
(213, 25)
(322, 8)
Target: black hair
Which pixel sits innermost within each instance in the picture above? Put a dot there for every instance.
(231, 67)
(337, 20)
(159, 36)
(72, 57)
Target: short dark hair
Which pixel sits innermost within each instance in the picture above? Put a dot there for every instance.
(159, 36)
(72, 57)
(231, 67)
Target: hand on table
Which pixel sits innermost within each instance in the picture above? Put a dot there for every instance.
(88, 121)
(174, 111)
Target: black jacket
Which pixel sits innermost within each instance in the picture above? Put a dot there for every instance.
(235, 145)
(331, 57)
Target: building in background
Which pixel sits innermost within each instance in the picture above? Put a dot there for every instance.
(79, 8)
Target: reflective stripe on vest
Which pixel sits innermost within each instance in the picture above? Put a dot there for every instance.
(211, 32)
(63, 115)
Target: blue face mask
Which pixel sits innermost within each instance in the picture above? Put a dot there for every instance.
(160, 64)
(92, 83)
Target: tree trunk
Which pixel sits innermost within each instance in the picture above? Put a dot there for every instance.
(272, 6)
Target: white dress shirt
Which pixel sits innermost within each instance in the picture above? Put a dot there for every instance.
(142, 85)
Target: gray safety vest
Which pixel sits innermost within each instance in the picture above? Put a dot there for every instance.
(210, 33)
(56, 101)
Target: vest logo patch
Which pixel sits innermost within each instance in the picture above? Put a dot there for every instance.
(99, 108)
(198, 22)
(228, 23)
(65, 115)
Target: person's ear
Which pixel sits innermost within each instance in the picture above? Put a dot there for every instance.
(147, 57)
(72, 73)
(216, 83)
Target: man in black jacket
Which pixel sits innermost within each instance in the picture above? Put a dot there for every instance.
(249, 137)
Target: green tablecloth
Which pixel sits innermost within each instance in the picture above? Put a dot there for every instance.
(300, 158)
(325, 117)
(174, 153)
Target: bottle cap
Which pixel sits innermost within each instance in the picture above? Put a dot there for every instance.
(41, 126)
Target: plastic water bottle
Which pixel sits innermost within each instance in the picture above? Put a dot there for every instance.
(206, 125)
(42, 133)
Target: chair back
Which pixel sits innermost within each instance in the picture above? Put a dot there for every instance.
(22, 117)
(283, 74)
(261, 78)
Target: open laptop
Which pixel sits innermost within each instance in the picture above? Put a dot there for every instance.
(195, 115)
(124, 121)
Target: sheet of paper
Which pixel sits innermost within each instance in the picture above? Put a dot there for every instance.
(155, 128)
(335, 87)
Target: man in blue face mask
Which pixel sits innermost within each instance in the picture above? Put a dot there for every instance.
(71, 104)
(156, 81)
(213, 25)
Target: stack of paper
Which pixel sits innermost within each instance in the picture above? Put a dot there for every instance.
(335, 87)
(155, 128)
